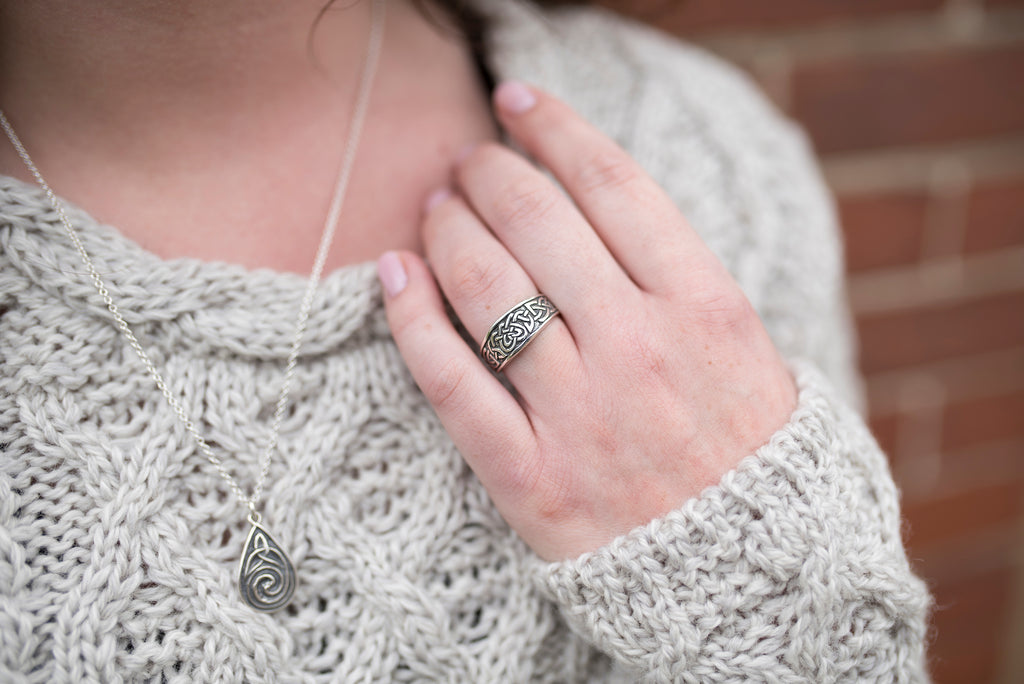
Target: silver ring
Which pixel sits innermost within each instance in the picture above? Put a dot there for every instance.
(513, 331)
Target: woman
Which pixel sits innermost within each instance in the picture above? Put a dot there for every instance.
(660, 486)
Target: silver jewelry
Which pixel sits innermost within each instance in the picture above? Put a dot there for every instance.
(515, 329)
(266, 577)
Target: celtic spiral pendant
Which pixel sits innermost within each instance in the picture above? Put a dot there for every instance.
(266, 578)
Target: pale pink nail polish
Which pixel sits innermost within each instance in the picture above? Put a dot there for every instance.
(514, 97)
(392, 273)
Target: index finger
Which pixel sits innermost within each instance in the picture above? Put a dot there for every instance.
(637, 221)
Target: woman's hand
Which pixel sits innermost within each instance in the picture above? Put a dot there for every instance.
(657, 378)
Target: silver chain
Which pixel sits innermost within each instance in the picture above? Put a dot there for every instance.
(351, 145)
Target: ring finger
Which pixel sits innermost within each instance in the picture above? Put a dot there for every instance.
(482, 281)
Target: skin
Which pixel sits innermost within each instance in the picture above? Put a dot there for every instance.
(215, 129)
(206, 130)
(657, 378)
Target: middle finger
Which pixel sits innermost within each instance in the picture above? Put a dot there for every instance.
(545, 232)
(482, 281)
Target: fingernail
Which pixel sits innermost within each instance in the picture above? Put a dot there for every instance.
(514, 97)
(435, 198)
(392, 273)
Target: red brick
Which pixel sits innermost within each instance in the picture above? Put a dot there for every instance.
(962, 379)
(704, 16)
(945, 519)
(905, 338)
(885, 428)
(883, 230)
(985, 464)
(996, 215)
(910, 98)
(969, 621)
(923, 470)
(984, 420)
(998, 461)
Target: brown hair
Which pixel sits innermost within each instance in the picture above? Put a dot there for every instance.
(466, 19)
(463, 19)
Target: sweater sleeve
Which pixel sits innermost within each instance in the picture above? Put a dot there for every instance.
(791, 569)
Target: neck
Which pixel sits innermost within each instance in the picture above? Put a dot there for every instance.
(133, 66)
(214, 129)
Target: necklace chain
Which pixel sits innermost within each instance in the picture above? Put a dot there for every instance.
(351, 146)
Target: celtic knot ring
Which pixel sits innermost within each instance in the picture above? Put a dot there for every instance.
(512, 332)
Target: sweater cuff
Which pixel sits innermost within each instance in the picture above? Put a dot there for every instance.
(790, 569)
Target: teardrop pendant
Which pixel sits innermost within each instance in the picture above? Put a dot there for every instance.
(266, 578)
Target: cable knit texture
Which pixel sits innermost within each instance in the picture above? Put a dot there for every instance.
(119, 543)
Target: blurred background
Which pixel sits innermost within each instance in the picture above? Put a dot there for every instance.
(916, 109)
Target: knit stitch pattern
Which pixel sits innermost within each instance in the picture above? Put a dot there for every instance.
(789, 570)
(119, 543)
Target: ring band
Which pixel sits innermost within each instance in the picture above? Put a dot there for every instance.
(513, 331)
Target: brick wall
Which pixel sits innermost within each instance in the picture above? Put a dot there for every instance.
(916, 108)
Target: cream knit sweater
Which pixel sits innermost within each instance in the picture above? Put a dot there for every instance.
(119, 543)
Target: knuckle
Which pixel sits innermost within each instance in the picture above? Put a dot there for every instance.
(525, 202)
(607, 170)
(412, 317)
(474, 279)
(522, 476)
(723, 311)
(445, 387)
(407, 323)
(552, 487)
